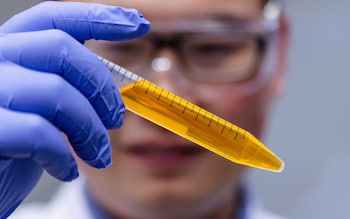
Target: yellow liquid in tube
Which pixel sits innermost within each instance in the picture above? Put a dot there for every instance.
(179, 116)
(198, 125)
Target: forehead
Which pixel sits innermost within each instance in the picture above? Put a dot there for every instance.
(173, 9)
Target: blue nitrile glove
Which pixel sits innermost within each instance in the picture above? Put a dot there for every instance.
(49, 84)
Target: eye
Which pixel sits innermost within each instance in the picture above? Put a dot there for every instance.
(218, 49)
(215, 53)
(129, 54)
(129, 48)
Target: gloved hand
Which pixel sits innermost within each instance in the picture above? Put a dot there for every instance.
(51, 84)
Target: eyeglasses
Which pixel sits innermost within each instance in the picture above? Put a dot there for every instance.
(206, 57)
(209, 50)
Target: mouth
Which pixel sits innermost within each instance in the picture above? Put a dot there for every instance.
(162, 156)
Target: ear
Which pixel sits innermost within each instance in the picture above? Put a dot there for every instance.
(283, 44)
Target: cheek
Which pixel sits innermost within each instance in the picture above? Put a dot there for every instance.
(245, 110)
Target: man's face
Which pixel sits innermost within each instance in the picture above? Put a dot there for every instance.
(155, 171)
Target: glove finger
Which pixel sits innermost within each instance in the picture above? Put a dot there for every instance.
(4, 162)
(56, 100)
(17, 181)
(29, 136)
(72, 61)
(83, 21)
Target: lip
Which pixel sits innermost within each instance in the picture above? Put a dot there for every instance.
(164, 156)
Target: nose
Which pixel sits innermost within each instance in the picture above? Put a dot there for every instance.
(165, 72)
(161, 64)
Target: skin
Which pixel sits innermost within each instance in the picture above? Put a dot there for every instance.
(205, 186)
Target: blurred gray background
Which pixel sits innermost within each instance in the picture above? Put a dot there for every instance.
(310, 125)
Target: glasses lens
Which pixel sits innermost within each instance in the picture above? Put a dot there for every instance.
(220, 58)
(130, 54)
